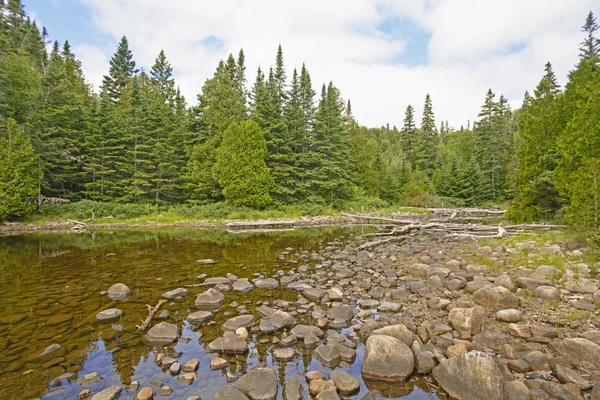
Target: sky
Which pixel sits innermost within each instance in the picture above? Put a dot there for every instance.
(381, 54)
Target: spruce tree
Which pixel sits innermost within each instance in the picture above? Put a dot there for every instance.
(162, 75)
(240, 166)
(19, 171)
(408, 133)
(425, 151)
(122, 68)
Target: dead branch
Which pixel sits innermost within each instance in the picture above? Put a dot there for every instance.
(151, 312)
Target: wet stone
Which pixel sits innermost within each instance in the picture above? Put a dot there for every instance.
(89, 379)
(119, 291)
(176, 293)
(218, 363)
(111, 313)
(162, 334)
(110, 393)
(200, 317)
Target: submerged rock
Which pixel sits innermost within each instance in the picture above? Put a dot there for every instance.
(111, 313)
(119, 291)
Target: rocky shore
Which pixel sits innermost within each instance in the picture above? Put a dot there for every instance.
(510, 319)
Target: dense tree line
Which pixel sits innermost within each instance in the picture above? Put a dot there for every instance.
(277, 140)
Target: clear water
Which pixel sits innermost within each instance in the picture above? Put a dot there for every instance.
(50, 287)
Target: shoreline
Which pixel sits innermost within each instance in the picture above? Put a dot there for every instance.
(18, 228)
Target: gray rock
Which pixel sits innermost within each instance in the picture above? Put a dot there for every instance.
(495, 298)
(162, 334)
(547, 293)
(191, 366)
(242, 321)
(175, 293)
(314, 294)
(119, 291)
(327, 355)
(567, 375)
(341, 311)
(50, 349)
(111, 313)
(268, 283)
(595, 394)
(228, 345)
(282, 319)
(471, 376)
(328, 394)
(218, 363)
(258, 384)
(293, 390)
(399, 331)
(302, 330)
(424, 362)
(110, 393)
(344, 382)
(516, 390)
(229, 393)
(210, 299)
(335, 294)
(186, 379)
(469, 320)
(581, 350)
(388, 306)
(199, 317)
(368, 304)
(242, 285)
(89, 379)
(509, 315)
(283, 354)
(387, 358)
(556, 391)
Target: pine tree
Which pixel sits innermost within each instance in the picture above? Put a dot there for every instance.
(19, 171)
(241, 169)
(122, 68)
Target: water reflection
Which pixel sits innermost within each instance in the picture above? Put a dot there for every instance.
(50, 287)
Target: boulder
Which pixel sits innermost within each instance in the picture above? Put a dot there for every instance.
(162, 334)
(200, 317)
(175, 293)
(471, 376)
(581, 350)
(119, 291)
(344, 382)
(387, 359)
(495, 298)
(210, 299)
(258, 384)
(229, 393)
(399, 331)
(283, 354)
(301, 331)
(516, 390)
(468, 320)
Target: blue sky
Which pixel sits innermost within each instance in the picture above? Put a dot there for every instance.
(382, 54)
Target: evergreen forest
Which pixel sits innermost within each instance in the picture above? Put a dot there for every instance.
(273, 138)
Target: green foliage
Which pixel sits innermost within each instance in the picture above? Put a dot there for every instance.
(19, 171)
(240, 167)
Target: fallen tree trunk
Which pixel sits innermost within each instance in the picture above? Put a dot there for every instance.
(151, 312)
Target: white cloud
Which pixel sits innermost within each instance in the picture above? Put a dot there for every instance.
(338, 39)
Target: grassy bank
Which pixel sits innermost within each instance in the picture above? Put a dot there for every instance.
(146, 213)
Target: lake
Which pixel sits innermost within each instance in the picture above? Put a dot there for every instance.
(52, 285)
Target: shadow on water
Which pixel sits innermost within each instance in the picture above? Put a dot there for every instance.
(50, 288)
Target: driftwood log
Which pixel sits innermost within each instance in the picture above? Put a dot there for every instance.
(151, 312)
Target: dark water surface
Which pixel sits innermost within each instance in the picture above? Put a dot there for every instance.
(50, 288)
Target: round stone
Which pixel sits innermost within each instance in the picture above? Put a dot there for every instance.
(283, 354)
(111, 313)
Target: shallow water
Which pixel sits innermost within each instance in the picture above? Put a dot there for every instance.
(50, 288)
